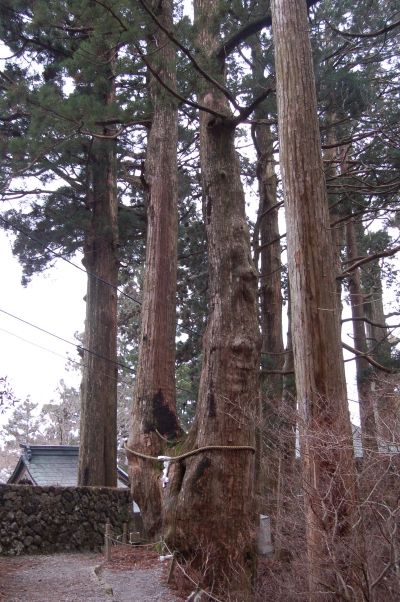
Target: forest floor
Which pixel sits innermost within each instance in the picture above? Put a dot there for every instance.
(132, 575)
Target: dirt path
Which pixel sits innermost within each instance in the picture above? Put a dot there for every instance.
(131, 576)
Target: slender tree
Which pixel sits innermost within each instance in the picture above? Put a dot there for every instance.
(364, 369)
(320, 381)
(154, 404)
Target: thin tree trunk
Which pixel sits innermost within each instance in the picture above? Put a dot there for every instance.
(211, 511)
(364, 372)
(98, 434)
(154, 403)
(380, 349)
(267, 246)
(325, 434)
(287, 445)
(273, 465)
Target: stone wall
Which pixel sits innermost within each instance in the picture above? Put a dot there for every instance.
(54, 519)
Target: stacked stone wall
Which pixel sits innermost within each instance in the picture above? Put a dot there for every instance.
(39, 520)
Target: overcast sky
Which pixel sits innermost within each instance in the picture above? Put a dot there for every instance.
(53, 301)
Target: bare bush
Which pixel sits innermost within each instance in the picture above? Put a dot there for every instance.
(362, 556)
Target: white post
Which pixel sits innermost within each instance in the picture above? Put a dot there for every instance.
(107, 542)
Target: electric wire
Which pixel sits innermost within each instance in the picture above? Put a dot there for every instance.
(76, 346)
(87, 272)
(58, 354)
(79, 347)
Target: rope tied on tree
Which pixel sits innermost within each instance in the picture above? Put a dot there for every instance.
(190, 453)
(168, 459)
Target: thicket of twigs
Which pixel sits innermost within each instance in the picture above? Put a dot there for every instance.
(372, 552)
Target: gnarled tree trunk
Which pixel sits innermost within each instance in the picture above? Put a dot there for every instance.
(210, 509)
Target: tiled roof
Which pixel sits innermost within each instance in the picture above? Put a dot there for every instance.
(52, 465)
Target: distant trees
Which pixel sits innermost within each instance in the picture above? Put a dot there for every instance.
(55, 423)
(24, 425)
(63, 418)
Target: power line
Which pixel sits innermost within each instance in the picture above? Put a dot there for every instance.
(69, 342)
(87, 272)
(76, 346)
(68, 261)
(58, 354)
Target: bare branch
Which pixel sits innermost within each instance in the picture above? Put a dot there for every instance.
(195, 105)
(195, 64)
(367, 259)
(229, 45)
(245, 112)
(371, 322)
(373, 34)
(369, 359)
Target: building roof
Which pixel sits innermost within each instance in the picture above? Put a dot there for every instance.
(46, 465)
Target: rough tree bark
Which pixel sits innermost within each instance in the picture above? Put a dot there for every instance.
(210, 510)
(98, 435)
(325, 432)
(154, 403)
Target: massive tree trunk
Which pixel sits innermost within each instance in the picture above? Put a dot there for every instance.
(325, 433)
(154, 403)
(211, 514)
(98, 435)
(363, 368)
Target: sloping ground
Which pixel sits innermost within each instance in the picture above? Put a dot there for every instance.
(130, 576)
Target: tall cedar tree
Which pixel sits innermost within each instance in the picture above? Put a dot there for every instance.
(154, 417)
(87, 53)
(98, 436)
(328, 471)
(210, 514)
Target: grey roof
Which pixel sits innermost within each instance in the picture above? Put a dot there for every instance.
(46, 465)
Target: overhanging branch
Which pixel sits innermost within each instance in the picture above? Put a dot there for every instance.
(369, 359)
(229, 45)
(367, 260)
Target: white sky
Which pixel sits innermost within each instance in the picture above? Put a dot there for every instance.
(53, 301)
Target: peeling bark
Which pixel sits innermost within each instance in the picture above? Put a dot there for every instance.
(154, 415)
(325, 435)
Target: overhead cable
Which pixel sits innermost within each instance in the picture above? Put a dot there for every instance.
(76, 346)
(87, 272)
(79, 347)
